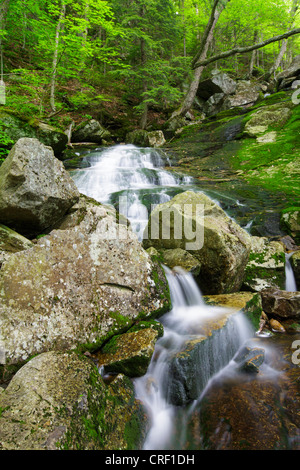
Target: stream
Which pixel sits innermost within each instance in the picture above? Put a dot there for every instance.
(134, 180)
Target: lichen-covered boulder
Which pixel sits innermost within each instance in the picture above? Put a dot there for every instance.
(59, 401)
(35, 189)
(266, 265)
(78, 286)
(195, 223)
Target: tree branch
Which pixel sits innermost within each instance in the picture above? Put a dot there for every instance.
(242, 50)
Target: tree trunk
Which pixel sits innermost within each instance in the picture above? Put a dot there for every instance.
(3, 12)
(201, 55)
(55, 57)
(283, 48)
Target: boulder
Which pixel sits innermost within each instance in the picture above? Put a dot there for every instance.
(59, 401)
(249, 359)
(220, 82)
(17, 127)
(195, 223)
(275, 115)
(181, 258)
(285, 78)
(156, 139)
(281, 304)
(290, 221)
(295, 263)
(129, 353)
(266, 265)
(83, 283)
(90, 131)
(246, 93)
(35, 189)
(138, 137)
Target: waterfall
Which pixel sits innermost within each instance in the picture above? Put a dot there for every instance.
(290, 282)
(130, 178)
(183, 323)
(133, 179)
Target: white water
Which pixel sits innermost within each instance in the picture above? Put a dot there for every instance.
(184, 322)
(290, 282)
(129, 172)
(133, 172)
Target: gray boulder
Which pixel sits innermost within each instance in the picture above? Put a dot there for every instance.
(220, 82)
(35, 189)
(85, 282)
(195, 223)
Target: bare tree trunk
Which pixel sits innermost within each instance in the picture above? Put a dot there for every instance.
(283, 48)
(200, 56)
(55, 56)
(253, 55)
(3, 12)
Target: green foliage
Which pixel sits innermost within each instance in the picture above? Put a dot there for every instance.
(5, 143)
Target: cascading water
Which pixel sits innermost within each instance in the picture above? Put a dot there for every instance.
(290, 282)
(184, 323)
(130, 178)
(109, 176)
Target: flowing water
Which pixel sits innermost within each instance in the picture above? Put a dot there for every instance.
(290, 282)
(134, 180)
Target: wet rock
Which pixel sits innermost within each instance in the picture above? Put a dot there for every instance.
(78, 286)
(249, 359)
(202, 228)
(251, 411)
(281, 304)
(59, 401)
(215, 341)
(266, 265)
(35, 189)
(129, 353)
(276, 326)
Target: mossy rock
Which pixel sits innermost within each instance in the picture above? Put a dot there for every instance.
(59, 401)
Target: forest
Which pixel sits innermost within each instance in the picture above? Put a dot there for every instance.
(133, 63)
